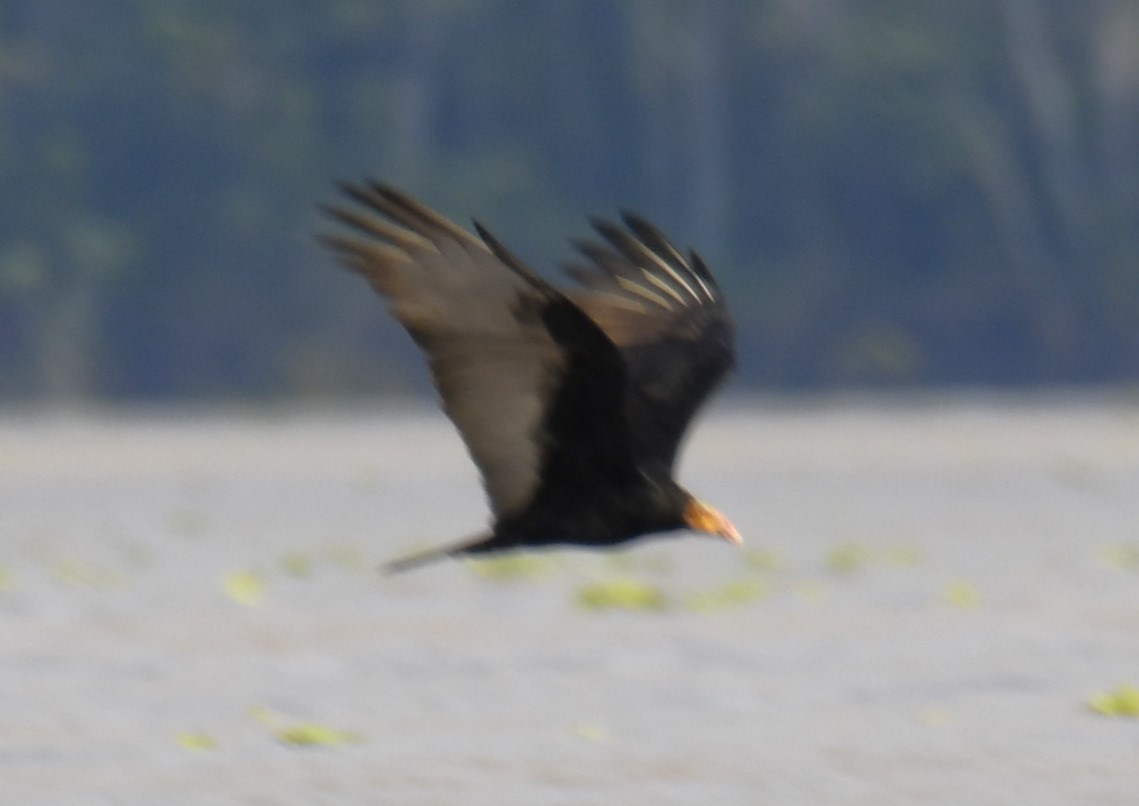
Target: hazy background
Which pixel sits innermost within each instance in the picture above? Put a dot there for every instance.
(896, 194)
(938, 602)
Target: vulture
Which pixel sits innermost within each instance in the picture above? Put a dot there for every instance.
(572, 403)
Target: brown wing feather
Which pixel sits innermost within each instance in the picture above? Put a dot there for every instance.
(479, 321)
(667, 315)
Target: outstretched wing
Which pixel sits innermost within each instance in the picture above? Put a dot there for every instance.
(506, 350)
(667, 315)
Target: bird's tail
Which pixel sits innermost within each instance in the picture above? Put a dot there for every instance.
(430, 555)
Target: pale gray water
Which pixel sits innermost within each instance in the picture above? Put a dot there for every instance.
(876, 685)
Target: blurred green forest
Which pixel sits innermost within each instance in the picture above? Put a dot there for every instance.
(895, 193)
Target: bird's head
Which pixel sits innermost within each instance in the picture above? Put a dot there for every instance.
(700, 517)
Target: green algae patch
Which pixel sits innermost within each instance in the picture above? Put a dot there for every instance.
(245, 588)
(303, 734)
(962, 594)
(296, 564)
(1122, 701)
(848, 557)
(621, 594)
(310, 734)
(192, 740)
(511, 567)
(1125, 558)
(733, 594)
(593, 732)
(762, 560)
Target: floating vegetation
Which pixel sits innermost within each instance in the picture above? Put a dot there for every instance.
(1125, 558)
(511, 567)
(962, 594)
(244, 587)
(308, 734)
(296, 564)
(303, 734)
(5, 579)
(196, 741)
(621, 594)
(1122, 701)
(733, 594)
(761, 560)
(848, 557)
(592, 732)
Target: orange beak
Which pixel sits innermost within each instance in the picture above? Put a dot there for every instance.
(702, 518)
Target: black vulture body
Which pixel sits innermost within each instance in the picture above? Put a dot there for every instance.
(573, 404)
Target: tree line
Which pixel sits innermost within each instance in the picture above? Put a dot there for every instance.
(893, 193)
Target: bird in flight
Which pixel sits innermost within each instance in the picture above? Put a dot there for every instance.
(572, 403)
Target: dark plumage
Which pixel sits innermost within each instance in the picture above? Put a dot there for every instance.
(572, 404)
